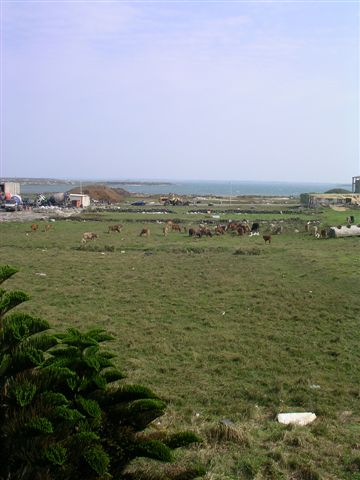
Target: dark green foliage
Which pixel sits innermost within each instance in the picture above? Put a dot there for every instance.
(112, 375)
(22, 392)
(97, 459)
(90, 407)
(9, 300)
(6, 271)
(182, 439)
(40, 424)
(56, 454)
(338, 190)
(62, 416)
(154, 449)
(304, 199)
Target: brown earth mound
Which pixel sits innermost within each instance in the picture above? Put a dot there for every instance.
(103, 193)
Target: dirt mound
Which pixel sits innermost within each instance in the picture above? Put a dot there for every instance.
(102, 193)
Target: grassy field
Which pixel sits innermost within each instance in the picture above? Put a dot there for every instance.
(219, 335)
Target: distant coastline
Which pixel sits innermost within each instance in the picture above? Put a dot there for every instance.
(221, 188)
(56, 181)
(136, 183)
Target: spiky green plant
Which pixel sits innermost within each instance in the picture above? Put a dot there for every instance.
(63, 412)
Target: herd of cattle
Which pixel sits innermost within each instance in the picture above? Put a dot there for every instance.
(238, 228)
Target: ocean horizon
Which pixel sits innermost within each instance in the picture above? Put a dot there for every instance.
(195, 187)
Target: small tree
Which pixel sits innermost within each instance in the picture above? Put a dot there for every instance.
(63, 414)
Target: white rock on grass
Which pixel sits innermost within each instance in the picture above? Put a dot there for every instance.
(300, 418)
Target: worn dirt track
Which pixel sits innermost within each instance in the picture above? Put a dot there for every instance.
(37, 214)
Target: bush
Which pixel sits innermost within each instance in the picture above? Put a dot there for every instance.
(63, 412)
(248, 251)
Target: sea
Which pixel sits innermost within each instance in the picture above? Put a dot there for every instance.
(221, 188)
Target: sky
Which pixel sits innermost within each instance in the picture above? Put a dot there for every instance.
(205, 90)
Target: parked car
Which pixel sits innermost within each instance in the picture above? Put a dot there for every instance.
(12, 206)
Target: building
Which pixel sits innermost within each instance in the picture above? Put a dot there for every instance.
(8, 189)
(326, 199)
(79, 200)
(355, 184)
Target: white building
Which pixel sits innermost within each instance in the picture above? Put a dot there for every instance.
(79, 200)
(10, 188)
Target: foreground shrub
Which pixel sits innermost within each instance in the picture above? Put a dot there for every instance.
(63, 413)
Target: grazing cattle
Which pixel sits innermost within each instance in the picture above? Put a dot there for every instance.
(245, 226)
(255, 227)
(145, 232)
(115, 228)
(232, 226)
(278, 229)
(267, 238)
(315, 230)
(220, 229)
(240, 230)
(323, 233)
(205, 231)
(34, 227)
(200, 232)
(89, 236)
(175, 227)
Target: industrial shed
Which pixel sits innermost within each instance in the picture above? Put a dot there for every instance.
(79, 200)
(8, 189)
(327, 199)
(344, 231)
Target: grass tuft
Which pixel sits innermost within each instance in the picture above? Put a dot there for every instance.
(221, 433)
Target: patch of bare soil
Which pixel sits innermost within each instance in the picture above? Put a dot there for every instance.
(37, 214)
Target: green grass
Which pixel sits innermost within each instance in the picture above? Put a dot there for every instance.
(218, 335)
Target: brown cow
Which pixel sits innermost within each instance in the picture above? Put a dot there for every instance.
(175, 227)
(34, 227)
(88, 236)
(199, 232)
(145, 232)
(245, 227)
(115, 228)
(204, 231)
(220, 229)
(267, 238)
(232, 226)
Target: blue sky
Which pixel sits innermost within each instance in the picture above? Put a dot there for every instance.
(180, 90)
